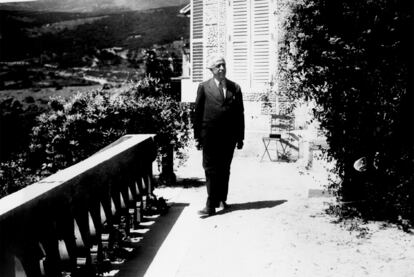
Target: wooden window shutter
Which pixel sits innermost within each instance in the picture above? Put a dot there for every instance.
(197, 55)
(240, 37)
(261, 56)
(251, 48)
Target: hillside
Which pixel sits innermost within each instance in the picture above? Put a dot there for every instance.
(30, 34)
(91, 5)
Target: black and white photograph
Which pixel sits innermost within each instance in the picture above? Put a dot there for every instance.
(206, 138)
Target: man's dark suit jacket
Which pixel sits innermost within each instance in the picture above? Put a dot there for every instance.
(216, 117)
(218, 126)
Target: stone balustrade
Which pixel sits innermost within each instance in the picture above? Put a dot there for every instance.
(80, 220)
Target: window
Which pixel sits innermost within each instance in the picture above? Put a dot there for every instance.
(251, 46)
(197, 41)
(250, 43)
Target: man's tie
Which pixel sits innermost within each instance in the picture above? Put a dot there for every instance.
(220, 86)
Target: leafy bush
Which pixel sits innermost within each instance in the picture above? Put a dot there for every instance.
(76, 128)
(15, 175)
(354, 59)
(16, 121)
(73, 130)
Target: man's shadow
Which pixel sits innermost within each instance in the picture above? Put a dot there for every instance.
(252, 206)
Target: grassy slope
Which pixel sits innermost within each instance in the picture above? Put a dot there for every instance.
(18, 41)
(91, 5)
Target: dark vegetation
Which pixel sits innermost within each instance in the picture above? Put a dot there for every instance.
(355, 60)
(51, 49)
(73, 128)
(16, 120)
(26, 35)
(54, 51)
(20, 77)
(45, 50)
(90, 5)
(19, 109)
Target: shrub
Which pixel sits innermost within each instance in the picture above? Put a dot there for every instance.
(16, 121)
(354, 59)
(77, 127)
(74, 129)
(14, 175)
(71, 131)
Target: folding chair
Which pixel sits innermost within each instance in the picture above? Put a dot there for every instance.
(281, 127)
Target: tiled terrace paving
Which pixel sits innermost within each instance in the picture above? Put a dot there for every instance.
(274, 227)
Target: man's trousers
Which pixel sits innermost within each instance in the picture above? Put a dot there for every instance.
(217, 157)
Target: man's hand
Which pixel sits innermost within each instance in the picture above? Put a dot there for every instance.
(240, 144)
(198, 144)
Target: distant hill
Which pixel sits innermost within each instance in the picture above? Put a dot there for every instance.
(28, 34)
(91, 5)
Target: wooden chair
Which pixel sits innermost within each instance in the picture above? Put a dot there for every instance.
(281, 127)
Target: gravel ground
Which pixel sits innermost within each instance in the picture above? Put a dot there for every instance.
(276, 226)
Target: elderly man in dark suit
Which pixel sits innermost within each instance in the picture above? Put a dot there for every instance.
(218, 129)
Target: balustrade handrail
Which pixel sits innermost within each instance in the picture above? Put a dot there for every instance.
(60, 178)
(69, 209)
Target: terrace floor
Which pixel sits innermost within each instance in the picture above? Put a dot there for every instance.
(276, 226)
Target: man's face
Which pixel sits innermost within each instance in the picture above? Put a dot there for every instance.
(219, 71)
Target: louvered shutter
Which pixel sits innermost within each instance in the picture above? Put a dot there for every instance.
(260, 54)
(239, 42)
(197, 41)
(251, 48)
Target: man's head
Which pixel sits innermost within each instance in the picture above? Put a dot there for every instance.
(217, 65)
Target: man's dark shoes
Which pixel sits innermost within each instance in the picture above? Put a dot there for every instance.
(207, 212)
(224, 205)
